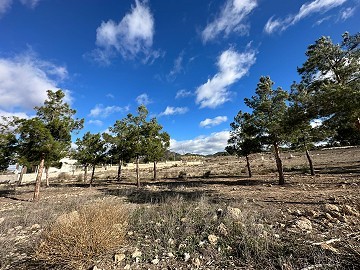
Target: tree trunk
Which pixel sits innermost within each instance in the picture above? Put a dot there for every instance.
(23, 170)
(38, 180)
(248, 165)
(279, 164)
(137, 171)
(310, 162)
(155, 172)
(119, 170)
(85, 173)
(92, 175)
(47, 176)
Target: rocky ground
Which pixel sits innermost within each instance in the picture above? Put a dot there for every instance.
(321, 211)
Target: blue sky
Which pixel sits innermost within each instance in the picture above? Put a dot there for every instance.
(191, 62)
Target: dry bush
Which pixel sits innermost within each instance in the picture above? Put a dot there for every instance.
(77, 238)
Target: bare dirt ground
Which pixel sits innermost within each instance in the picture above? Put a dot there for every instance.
(322, 209)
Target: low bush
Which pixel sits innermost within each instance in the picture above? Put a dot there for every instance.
(77, 238)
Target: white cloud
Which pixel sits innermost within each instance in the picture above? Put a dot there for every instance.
(177, 68)
(24, 80)
(174, 110)
(30, 3)
(232, 67)
(143, 99)
(205, 145)
(307, 9)
(100, 111)
(96, 122)
(231, 19)
(5, 5)
(183, 93)
(211, 122)
(347, 13)
(132, 36)
(21, 115)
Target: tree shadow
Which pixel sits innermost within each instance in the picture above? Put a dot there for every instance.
(164, 191)
(339, 169)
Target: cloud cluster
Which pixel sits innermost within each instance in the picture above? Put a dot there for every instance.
(211, 122)
(205, 145)
(232, 67)
(307, 9)
(132, 36)
(174, 110)
(177, 68)
(24, 80)
(231, 19)
(100, 111)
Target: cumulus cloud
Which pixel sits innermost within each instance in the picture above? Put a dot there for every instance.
(24, 80)
(21, 115)
(130, 37)
(183, 93)
(232, 18)
(211, 122)
(307, 9)
(143, 99)
(174, 110)
(232, 67)
(204, 145)
(100, 111)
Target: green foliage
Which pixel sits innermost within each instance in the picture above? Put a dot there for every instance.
(90, 149)
(58, 118)
(330, 78)
(268, 117)
(244, 136)
(7, 144)
(157, 142)
(35, 141)
(119, 141)
(269, 111)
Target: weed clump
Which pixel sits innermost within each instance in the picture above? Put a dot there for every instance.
(75, 239)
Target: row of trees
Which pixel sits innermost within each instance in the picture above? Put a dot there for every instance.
(329, 92)
(46, 138)
(131, 138)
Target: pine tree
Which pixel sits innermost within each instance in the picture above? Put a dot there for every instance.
(268, 116)
(244, 138)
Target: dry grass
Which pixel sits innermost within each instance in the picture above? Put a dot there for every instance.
(77, 238)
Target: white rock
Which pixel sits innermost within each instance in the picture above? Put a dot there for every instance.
(119, 257)
(155, 261)
(170, 255)
(127, 267)
(136, 254)
(234, 213)
(186, 256)
(303, 224)
(213, 239)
